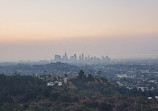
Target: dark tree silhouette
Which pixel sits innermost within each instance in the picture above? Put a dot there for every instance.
(81, 74)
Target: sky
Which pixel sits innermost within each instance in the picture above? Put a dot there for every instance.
(39, 29)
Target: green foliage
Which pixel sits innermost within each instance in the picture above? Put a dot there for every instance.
(105, 107)
(54, 96)
(142, 105)
(90, 77)
(123, 107)
(66, 98)
(65, 75)
(81, 75)
(90, 104)
(30, 93)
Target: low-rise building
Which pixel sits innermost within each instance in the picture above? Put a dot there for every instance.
(50, 84)
(60, 83)
(156, 97)
(149, 98)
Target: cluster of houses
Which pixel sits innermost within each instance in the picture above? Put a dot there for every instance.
(125, 76)
(58, 81)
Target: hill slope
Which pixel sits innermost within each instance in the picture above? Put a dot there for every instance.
(28, 93)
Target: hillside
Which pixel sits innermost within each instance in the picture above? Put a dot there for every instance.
(82, 93)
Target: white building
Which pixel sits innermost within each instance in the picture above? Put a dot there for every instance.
(122, 75)
(149, 97)
(65, 80)
(60, 83)
(142, 88)
(156, 97)
(50, 84)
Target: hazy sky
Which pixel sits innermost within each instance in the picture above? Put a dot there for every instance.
(38, 29)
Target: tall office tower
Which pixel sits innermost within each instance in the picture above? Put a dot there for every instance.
(75, 57)
(86, 58)
(82, 56)
(65, 58)
(89, 57)
(57, 58)
(72, 59)
(65, 54)
(107, 59)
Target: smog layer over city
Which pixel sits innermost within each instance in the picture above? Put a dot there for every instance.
(78, 55)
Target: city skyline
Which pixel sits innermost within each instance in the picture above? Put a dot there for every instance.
(81, 58)
(115, 48)
(34, 30)
(78, 55)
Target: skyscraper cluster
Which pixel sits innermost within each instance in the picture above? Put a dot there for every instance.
(80, 59)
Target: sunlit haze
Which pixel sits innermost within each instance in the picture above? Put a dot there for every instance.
(39, 29)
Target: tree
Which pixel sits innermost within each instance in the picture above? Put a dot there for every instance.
(90, 77)
(65, 75)
(105, 107)
(99, 72)
(81, 75)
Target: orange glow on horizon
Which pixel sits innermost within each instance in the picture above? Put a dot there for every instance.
(56, 20)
